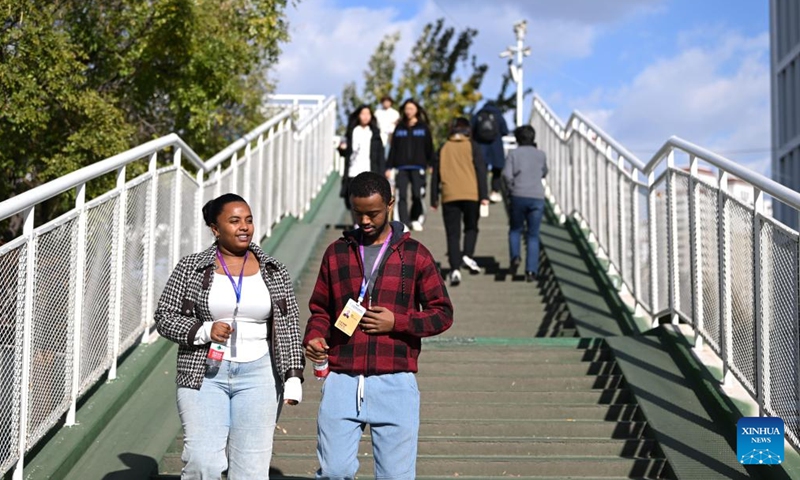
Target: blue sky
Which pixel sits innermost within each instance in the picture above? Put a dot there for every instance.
(642, 69)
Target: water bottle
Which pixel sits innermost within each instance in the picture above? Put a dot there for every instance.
(216, 352)
(321, 370)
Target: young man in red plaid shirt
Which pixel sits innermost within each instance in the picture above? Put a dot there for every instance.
(390, 281)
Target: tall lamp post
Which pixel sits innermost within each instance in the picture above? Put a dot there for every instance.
(516, 69)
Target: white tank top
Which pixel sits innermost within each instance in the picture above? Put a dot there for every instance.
(249, 339)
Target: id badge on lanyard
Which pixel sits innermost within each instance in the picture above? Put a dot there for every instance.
(237, 286)
(353, 311)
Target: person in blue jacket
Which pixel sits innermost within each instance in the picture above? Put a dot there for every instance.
(488, 129)
(411, 154)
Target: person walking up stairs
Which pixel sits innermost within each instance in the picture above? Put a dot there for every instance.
(459, 173)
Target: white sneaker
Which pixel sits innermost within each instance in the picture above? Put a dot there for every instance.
(416, 226)
(471, 264)
(455, 278)
(495, 197)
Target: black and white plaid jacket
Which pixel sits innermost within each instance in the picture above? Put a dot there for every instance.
(183, 308)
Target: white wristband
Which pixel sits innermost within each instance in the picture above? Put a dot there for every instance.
(203, 334)
(293, 389)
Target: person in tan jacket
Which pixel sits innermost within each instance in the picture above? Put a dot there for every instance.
(459, 177)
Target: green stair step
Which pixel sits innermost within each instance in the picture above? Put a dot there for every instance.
(498, 466)
(591, 397)
(482, 427)
(497, 446)
(515, 383)
(510, 356)
(543, 369)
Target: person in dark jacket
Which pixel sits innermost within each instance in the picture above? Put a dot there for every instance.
(488, 129)
(371, 379)
(459, 172)
(411, 153)
(363, 151)
(525, 168)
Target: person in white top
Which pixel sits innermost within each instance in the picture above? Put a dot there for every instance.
(235, 298)
(387, 119)
(364, 151)
(388, 116)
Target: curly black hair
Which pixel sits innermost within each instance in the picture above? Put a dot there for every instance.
(369, 183)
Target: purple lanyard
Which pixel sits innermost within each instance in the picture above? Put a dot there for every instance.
(236, 288)
(365, 282)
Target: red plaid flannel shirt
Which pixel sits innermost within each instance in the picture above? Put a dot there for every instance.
(408, 283)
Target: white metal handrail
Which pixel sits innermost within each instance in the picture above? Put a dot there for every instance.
(78, 291)
(693, 243)
(25, 200)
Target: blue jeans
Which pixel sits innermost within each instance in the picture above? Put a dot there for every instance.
(530, 211)
(234, 411)
(390, 406)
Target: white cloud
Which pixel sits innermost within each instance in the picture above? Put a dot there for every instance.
(714, 92)
(716, 96)
(330, 45)
(593, 12)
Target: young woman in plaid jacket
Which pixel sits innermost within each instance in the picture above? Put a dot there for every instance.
(231, 294)
(371, 379)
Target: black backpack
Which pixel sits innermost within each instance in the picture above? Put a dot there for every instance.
(486, 127)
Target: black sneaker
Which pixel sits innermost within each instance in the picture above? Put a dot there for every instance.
(515, 263)
(530, 277)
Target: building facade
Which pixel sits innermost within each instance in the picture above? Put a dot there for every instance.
(785, 60)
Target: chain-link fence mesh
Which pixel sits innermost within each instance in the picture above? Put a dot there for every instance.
(594, 188)
(569, 173)
(13, 265)
(709, 268)
(259, 208)
(206, 237)
(740, 262)
(626, 229)
(563, 177)
(613, 213)
(134, 267)
(556, 166)
(225, 182)
(190, 214)
(275, 171)
(268, 194)
(581, 183)
(51, 353)
(643, 246)
(162, 265)
(98, 296)
(144, 230)
(779, 282)
(683, 244)
(209, 191)
(240, 175)
(662, 244)
(568, 169)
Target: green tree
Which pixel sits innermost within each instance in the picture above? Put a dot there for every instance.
(432, 75)
(378, 79)
(379, 75)
(81, 80)
(50, 123)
